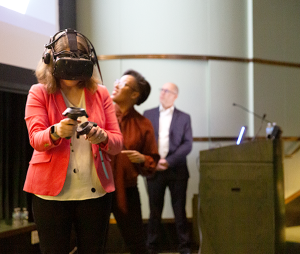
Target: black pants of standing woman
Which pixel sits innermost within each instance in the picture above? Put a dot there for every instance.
(130, 223)
(55, 219)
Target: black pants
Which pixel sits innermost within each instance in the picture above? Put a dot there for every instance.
(54, 220)
(130, 223)
(156, 191)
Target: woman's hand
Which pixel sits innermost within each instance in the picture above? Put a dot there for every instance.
(97, 135)
(66, 127)
(134, 156)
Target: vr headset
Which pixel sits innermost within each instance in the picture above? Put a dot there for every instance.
(73, 64)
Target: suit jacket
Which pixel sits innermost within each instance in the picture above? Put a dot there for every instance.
(180, 141)
(48, 166)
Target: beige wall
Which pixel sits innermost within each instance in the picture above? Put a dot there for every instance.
(234, 28)
(276, 88)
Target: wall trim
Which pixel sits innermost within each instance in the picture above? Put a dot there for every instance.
(220, 139)
(202, 58)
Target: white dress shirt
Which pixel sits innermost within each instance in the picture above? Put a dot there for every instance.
(165, 118)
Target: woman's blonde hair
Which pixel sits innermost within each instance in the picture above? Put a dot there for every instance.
(44, 72)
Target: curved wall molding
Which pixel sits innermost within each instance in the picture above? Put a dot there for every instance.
(220, 139)
(200, 57)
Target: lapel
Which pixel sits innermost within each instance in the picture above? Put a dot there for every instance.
(173, 122)
(156, 122)
(89, 101)
(60, 102)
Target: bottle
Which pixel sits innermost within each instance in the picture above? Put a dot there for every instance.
(24, 216)
(269, 130)
(16, 217)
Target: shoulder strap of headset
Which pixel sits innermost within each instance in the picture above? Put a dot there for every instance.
(94, 52)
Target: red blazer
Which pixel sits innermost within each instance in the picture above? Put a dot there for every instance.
(48, 166)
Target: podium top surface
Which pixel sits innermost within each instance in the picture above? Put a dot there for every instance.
(253, 151)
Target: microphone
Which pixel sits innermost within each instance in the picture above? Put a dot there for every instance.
(263, 118)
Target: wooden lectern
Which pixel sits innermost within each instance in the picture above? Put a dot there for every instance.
(242, 199)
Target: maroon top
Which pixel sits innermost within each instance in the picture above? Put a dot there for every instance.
(138, 134)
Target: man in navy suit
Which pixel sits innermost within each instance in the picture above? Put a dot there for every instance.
(173, 134)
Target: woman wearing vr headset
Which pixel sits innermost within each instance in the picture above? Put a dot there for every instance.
(70, 175)
(139, 156)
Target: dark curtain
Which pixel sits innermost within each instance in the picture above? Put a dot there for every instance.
(15, 154)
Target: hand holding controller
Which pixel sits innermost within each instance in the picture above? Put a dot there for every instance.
(74, 113)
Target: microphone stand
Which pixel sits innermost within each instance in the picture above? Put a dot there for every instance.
(263, 118)
(260, 117)
(262, 121)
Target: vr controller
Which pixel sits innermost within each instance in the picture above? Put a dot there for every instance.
(85, 128)
(74, 113)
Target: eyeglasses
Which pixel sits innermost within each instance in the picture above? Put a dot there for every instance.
(167, 91)
(122, 84)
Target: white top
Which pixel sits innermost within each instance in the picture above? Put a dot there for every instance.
(81, 181)
(165, 118)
